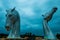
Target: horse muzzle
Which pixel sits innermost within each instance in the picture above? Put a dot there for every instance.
(7, 28)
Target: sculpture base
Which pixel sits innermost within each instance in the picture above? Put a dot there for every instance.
(13, 39)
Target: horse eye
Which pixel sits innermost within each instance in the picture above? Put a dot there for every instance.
(5, 15)
(10, 15)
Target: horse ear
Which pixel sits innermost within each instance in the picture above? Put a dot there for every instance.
(13, 9)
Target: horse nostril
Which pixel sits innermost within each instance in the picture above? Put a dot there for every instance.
(7, 28)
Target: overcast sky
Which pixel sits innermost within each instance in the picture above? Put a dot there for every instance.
(30, 14)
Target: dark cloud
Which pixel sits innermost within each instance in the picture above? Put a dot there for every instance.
(30, 14)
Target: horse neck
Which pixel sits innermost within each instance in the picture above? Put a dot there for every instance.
(45, 27)
(47, 32)
(16, 27)
(17, 24)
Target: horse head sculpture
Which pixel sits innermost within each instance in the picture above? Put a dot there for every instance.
(49, 15)
(46, 18)
(13, 23)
